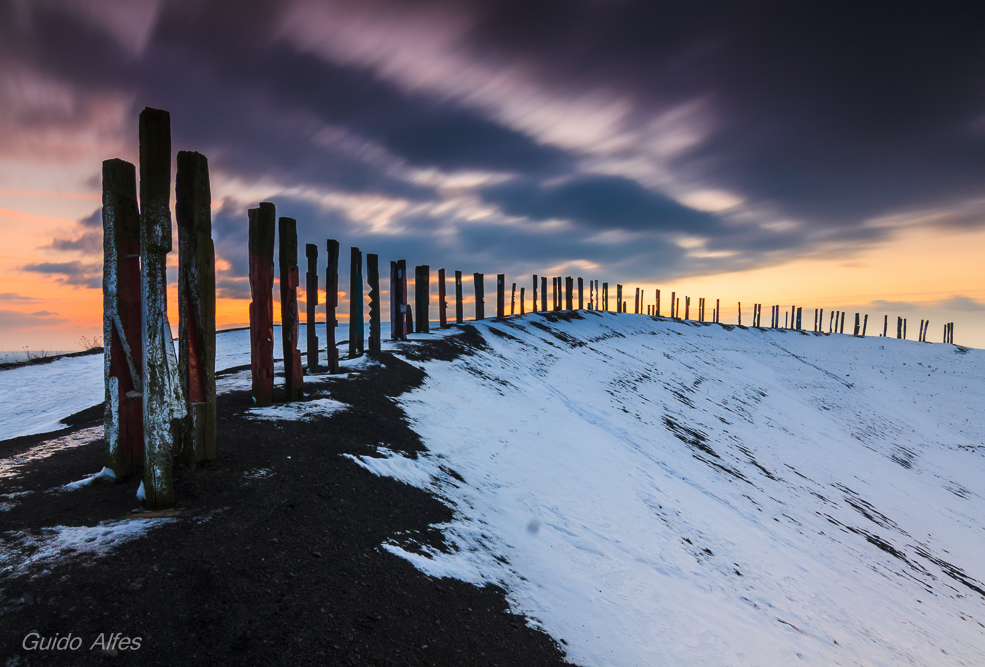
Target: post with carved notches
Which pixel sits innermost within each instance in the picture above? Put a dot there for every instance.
(331, 304)
(480, 289)
(373, 275)
(459, 305)
(543, 293)
(163, 404)
(289, 279)
(311, 304)
(569, 288)
(605, 297)
(422, 297)
(403, 308)
(513, 300)
(196, 307)
(355, 303)
(123, 414)
(618, 298)
(262, 230)
(522, 290)
(442, 302)
(534, 309)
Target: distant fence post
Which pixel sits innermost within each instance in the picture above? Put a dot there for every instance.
(637, 307)
(543, 293)
(442, 302)
(513, 300)
(355, 302)
(311, 304)
(373, 275)
(656, 308)
(123, 421)
(500, 295)
(842, 322)
(605, 297)
(865, 324)
(569, 288)
(404, 314)
(904, 328)
(581, 294)
(799, 313)
(159, 365)
(262, 229)
(858, 324)
(480, 288)
(618, 298)
(331, 303)
(196, 307)
(740, 313)
(287, 257)
(899, 327)
(535, 294)
(394, 306)
(422, 301)
(522, 289)
(459, 305)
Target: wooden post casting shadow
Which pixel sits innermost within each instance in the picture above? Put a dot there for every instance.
(459, 305)
(311, 305)
(331, 304)
(480, 289)
(373, 275)
(289, 281)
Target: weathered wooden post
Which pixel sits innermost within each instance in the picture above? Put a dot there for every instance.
(480, 292)
(718, 311)
(356, 331)
(569, 288)
(687, 307)
(422, 300)
(289, 280)
(581, 294)
(373, 275)
(500, 296)
(543, 293)
(843, 322)
(513, 300)
(605, 297)
(459, 307)
(123, 420)
(885, 325)
(636, 310)
(904, 328)
(618, 298)
(311, 305)
(534, 309)
(740, 313)
(442, 301)
(673, 305)
(404, 314)
(800, 310)
(656, 308)
(331, 304)
(160, 373)
(858, 324)
(263, 225)
(865, 324)
(557, 293)
(522, 290)
(393, 300)
(196, 307)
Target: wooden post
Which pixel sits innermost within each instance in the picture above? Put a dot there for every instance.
(843, 322)
(865, 324)
(331, 303)
(740, 313)
(543, 293)
(858, 324)
(422, 301)
(569, 288)
(656, 308)
(637, 307)
(500, 295)
(356, 332)
(404, 322)
(535, 294)
(557, 294)
(899, 327)
(673, 305)
(373, 276)
(394, 307)
(618, 298)
(311, 305)
(800, 310)
(196, 307)
(885, 325)
(123, 410)
(513, 300)
(581, 294)
(289, 279)
(480, 291)
(687, 307)
(160, 372)
(442, 301)
(459, 307)
(521, 300)
(904, 328)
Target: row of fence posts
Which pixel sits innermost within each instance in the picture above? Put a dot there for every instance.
(158, 406)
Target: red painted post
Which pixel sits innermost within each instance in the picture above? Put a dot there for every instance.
(373, 278)
(287, 257)
(513, 300)
(262, 228)
(442, 302)
(521, 300)
(123, 421)
(311, 305)
(500, 296)
(331, 303)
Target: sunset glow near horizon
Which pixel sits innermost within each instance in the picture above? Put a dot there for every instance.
(773, 156)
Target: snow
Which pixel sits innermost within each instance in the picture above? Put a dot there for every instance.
(656, 492)
(9, 466)
(105, 473)
(141, 494)
(299, 411)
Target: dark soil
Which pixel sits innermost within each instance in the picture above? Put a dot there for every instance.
(285, 569)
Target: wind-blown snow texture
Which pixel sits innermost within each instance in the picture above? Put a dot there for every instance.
(656, 493)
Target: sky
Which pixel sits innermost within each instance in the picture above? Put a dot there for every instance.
(825, 155)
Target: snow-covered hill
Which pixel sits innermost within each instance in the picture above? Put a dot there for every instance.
(661, 493)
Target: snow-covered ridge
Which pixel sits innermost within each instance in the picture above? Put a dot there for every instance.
(656, 492)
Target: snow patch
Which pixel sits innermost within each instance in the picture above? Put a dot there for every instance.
(300, 410)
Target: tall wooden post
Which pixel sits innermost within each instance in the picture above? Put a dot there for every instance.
(904, 328)
(331, 303)
(842, 322)
(500, 296)
(535, 294)
(373, 278)
(636, 311)
(865, 324)
(422, 300)
(718, 312)
(569, 288)
(581, 294)
(459, 303)
(123, 410)
(522, 290)
(656, 307)
(263, 221)
(673, 305)
(196, 307)
(513, 300)
(687, 307)
(740, 313)
(401, 298)
(442, 302)
(800, 312)
(160, 372)
(311, 305)
(858, 324)
(605, 297)
(618, 298)
(480, 290)
(356, 332)
(287, 256)
(543, 293)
